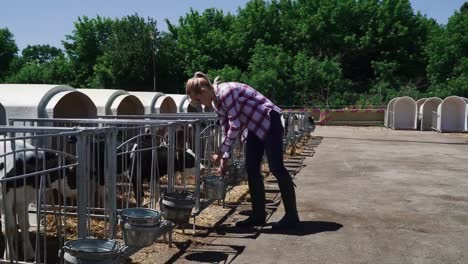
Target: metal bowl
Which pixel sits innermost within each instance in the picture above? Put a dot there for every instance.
(177, 206)
(139, 236)
(90, 250)
(236, 173)
(214, 187)
(179, 199)
(141, 217)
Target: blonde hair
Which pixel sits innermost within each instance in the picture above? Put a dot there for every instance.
(198, 81)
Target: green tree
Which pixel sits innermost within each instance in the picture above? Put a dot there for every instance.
(40, 53)
(269, 71)
(169, 67)
(126, 59)
(319, 82)
(228, 74)
(203, 40)
(448, 56)
(56, 71)
(85, 46)
(257, 21)
(8, 51)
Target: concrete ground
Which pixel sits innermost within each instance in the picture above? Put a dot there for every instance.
(368, 195)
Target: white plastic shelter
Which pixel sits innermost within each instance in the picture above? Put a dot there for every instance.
(466, 113)
(45, 101)
(2, 115)
(156, 102)
(419, 102)
(451, 114)
(182, 102)
(114, 102)
(404, 113)
(388, 119)
(426, 111)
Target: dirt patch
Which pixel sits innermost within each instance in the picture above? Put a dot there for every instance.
(209, 218)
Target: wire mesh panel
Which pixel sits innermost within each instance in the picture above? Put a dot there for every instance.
(131, 148)
(291, 129)
(44, 179)
(297, 125)
(197, 136)
(147, 150)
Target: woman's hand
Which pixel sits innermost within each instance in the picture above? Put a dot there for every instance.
(222, 167)
(221, 162)
(215, 159)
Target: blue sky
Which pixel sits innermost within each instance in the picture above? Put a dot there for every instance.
(48, 21)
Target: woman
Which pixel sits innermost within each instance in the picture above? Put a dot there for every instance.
(241, 107)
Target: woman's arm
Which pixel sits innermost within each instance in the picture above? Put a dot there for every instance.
(230, 102)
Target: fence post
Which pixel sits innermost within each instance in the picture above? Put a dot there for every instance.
(197, 165)
(111, 168)
(82, 184)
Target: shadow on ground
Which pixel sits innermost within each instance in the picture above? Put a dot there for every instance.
(305, 228)
(210, 257)
(216, 254)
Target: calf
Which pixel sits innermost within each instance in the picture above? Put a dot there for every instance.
(184, 163)
(20, 158)
(98, 165)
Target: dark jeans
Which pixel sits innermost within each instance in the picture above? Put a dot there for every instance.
(273, 147)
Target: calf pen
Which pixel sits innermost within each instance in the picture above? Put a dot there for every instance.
(40, 168)
(135, 131)
(102, 160)
(210, 138)
(123, 138)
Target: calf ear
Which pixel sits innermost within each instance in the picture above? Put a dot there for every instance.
(2, 166)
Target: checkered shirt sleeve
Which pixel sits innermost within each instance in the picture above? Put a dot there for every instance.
(242, 108)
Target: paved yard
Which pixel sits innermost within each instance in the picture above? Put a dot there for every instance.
(369, 195)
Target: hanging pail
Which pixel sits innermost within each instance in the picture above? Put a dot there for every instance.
(141, 216)
(177, 206)
(91, 251)
(139, 226)
(236, 173)
(214, 187)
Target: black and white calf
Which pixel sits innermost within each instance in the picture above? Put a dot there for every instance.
(184, 163)
(22, 173)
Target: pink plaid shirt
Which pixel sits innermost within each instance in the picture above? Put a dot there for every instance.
(242, 108)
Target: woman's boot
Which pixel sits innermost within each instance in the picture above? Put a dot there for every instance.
(291, 218)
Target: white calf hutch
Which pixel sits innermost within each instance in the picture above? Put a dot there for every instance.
(466, 114)
(419, 103)
(45, 101)
(2, 115)
(404, 113)
(451, 115)
(114, 102)
(426, 113)
(388, 122)
(156, 102)
(182, 102)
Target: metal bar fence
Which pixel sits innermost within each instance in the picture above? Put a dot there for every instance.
(42, 171)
